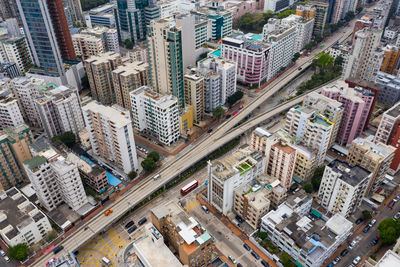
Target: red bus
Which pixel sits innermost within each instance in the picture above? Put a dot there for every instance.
(189, 187)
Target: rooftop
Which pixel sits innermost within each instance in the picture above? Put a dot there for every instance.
(394, 111)
(116, 114)
(103, 58)
(257, 195)
(163, 101)
(374, 151)
(389, 259)
(131, 68)
(34, 162)
(351, 175)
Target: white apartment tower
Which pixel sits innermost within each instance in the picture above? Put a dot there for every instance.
(156, 114)
(10, 113)
(343, 187)
(111, 134)
(304, 30)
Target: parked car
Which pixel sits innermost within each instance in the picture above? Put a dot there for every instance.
(232, 259)
(397, 216)
(210, 130)
(58, 249)
(374, 242)
(336, 260)
(264, 263)
(366, 228)
(391, 204)
(397, 198)
(7, 259)
(142, 221)
(239, 218)
(344, 252)
(357, 260)
(255, 255)
(206, 210)
(352, 244)
(246, 247)
(129, 224)
(2, 253)
(239, 265)
(359, 220)
(372, 223)
(132, 229)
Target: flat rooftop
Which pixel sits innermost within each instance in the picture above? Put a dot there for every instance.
(390, 259)
(118, 115)
(132, 68)
(351, 175)
(374, 151)
(163, 101)
(103, 58)
(394, 111)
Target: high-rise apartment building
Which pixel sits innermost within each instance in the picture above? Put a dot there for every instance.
(191, 241)
(8, 9)
(366, 57)
(220, 19)
(343, 187)
(365, 21)
(41, 36)
(98, 70)
(14, 142)
(374, 157)
(165, 52)
(15, 50)
(127, 78)
(111, 134)
(59, 109)
(389, 89)
(219, 81)
(227, 174)
(312, 128)
(9, 109)
(391, 59)
(331, 109)
(304, 30)
(156, 114)
(194, 94)
(357, 104)
(108, 36)
(320, 14)
(86, 46)
(75, 9)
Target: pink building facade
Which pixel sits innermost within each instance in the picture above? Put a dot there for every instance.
(357, 103)
(239, 8)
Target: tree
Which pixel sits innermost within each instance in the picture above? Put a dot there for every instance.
(359, 9)
(366, 215)
(149, 164)
(389, 231)
(349, 16)
(295, 57)
(308, 46)
(154, 155)
(323, 61)
(318, 38)
(317, 177)
(286, 13)
(218, 112)
(286, 260)
(18, 252)
(308, 188)
(128, 44)
(262, 235)
(231, 100)
(68, 138)
(132, 175)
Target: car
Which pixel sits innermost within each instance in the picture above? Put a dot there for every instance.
(142, 221)
(227, 117)
(206, 210)
(2, 253)
(247, 247)
(239, 218)
(132, 229)
(336, 260)
(235, 113)
(359, 220)
(397, 198)
(239, 265)
(7, 259)
(352, 244)
(344, 252)
(129, 224)
(374, 242)
(391, 204)
(357, 260)
(232, 259)
(264, 263)
(372, 223)
(255, 255)
(300, 68)
(57, 249)
(210, 130)
(366, 228)
(397, 216)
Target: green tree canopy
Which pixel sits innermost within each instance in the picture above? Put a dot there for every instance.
(308, 188)
(149, 164)
(262, 235)
(296, 57)
(323, 61)
(286, 260)
(235, 97)
(18, 252)
(218, 112)
(389, 231)
(68, 138)
(132, 175)
(128, 44)
(317, 177)
(154, 155)
(349, 16)
(366, 215)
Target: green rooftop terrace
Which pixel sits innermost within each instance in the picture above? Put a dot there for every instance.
(35, 162)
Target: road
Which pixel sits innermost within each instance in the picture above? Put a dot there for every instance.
(201, 148)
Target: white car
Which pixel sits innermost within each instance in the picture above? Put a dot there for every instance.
(357, 260)
(2, 253)
(7, 259)
(397, 216)
(352, 244)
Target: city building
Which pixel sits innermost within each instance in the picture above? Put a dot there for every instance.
(25, 89)
(130, 19)
(108, 36)
(7, 9)
(20, 220)
(219, 81)
(169, 7)
(75, 10)
(390, 258)
(186, 120)
(320, 15)
(101, 16)
(191, 241)
(331, 109)
(66, 260)
(304, 30)
(366, 21)
(93, 175)
(227, 174)
(251, 203)
(59, 110)
(99, 72)
(54, 179)
(86, 46)
(127, 78)
(111, 134)
(395, 142)
(186, 23)
(390, 59)
(366, 58)
(9, 70)
(309, 242)
(357, 104)
(155, 114)
(391, 32)
(389, 89)
(194, 94)
(277, 6)
(14, 143)
(343, 187)
(138, 53)
(15, 50)
(312, 128)
(165, 51)
(374, 157)
(151, 249)
(9, 109)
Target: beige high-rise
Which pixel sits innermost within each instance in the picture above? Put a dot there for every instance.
(194, 94)
(86, 45)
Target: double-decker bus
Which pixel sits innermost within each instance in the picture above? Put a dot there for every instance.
(189, 187)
